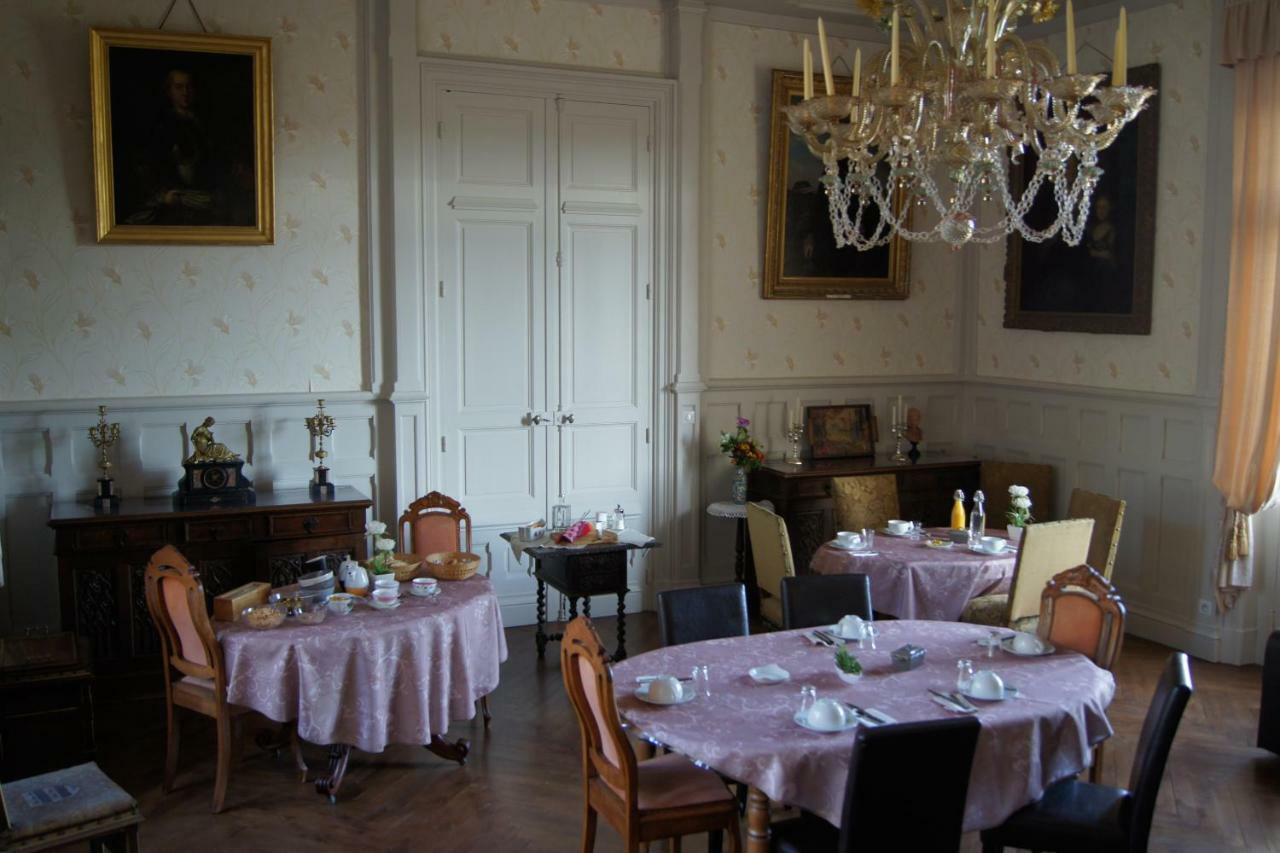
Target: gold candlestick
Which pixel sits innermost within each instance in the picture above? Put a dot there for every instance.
(103, 436)
(320, 425)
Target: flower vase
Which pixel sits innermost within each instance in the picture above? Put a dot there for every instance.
(739, 485)
(1015, 534)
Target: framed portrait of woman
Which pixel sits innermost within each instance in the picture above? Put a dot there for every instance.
(182, 137)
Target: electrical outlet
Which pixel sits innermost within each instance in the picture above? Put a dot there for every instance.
(1206, 607)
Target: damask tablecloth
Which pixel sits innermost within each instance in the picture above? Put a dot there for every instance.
(746, 730)
(910, 580)
(373, 677)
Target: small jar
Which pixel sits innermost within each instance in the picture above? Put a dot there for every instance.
(964, 674)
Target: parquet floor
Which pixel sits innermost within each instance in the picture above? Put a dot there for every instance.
(520, 788)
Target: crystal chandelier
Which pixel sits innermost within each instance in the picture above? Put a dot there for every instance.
(941, 119)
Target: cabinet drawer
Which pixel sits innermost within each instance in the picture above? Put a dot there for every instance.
(309, 524)
(118, 536)
(219, 530)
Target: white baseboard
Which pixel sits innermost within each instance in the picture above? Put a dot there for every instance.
(1160, 629)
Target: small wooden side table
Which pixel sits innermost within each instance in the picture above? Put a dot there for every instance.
(582, 573)
(744, 568)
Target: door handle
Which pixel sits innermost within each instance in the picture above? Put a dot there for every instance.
(537, 419)
(566, 419)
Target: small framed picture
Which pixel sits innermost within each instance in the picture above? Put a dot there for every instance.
(840, 431)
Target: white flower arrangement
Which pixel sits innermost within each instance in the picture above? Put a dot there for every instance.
(1019, 514)
(383, 547)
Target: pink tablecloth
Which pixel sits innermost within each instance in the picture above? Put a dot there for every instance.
(373, 677)
(912, 581)
(746, 731)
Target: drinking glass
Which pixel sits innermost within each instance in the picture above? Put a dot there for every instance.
(868, 538)
(561, 516)
(993, 640)
(964, 674)
(868, 637)
(917, 529)
(808, 695)
(702, 680)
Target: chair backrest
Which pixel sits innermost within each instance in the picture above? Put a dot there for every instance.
(995, 479)
(770, 548)
(1152, 753)
(433, 523)
(1080, 610)
(702, 613)
(1047, 548)
(1108, 516)
(606, 752)
(175, 599)
(868, 501)
(890, 805)
(811, 600)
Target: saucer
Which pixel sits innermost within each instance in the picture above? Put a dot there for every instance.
(835, 543)
(1010, 692)
(768, 674)
(687, 693)
(939, 544)
(977, 549)
(376, 605)
(906, 534)
(1045, 649)
(834, 630)
(850, 722)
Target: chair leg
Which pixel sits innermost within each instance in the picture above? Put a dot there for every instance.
(483, 704)
(131, 839)
(589, 830)
(992, 847)
(224, 761)
(715, 841)
(170, 748)
(735, 836)
(674, 844)
(1095, 769)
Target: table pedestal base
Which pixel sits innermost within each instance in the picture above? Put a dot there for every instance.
(328, 783)
(450, 751)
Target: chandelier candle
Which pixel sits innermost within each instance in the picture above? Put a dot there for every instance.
(928, 133)
(827, 83)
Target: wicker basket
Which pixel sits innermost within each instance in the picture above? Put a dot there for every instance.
(452, 565)
(405, 567)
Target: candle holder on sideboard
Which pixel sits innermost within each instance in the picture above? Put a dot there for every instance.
(794, 433)
(321, 426)
(103, 436)
(898, 429)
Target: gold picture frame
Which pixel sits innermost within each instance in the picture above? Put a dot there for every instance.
(183, 137)
(801, 260)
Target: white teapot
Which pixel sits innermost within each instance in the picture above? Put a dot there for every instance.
(353, 575)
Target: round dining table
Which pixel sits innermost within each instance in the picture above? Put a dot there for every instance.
(747, 731)
(911, 580)
(373, 677)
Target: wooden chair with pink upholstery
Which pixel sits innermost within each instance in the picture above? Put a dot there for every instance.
(433, 523)
(175, 598)
(1080, 610)
(663, 797)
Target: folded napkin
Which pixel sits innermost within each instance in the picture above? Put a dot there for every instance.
(633, 537)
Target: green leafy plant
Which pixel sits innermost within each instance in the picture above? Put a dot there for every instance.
(847, 663)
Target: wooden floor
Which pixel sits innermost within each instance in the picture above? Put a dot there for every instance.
(520, 789)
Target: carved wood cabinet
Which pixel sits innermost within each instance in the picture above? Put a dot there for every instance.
(801, 494)
(102, 558)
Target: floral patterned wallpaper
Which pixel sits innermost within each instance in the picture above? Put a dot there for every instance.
(78, 319)
(747, 336)
(1178, 35)
(549, 32)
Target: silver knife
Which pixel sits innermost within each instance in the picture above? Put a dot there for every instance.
(821, 638)
(951, 703)
(963, 702)
(872, 715)
(831, 639)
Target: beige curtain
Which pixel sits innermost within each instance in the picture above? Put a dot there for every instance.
(1248, 451)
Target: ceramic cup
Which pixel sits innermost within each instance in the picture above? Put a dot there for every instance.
(340, 603)
(992, 544)
(665, 688)
(424, 586)
(826, 713)
(383, 595)
(1026, 644)
(986, 685)
(386, 582)
(849, 539)
(851, 627)
(898, 526)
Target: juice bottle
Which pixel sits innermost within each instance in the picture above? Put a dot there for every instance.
(957, 511)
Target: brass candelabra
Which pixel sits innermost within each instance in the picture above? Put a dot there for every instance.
(103, 436)
(321, 426)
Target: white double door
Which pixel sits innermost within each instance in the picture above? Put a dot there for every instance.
(544, 329)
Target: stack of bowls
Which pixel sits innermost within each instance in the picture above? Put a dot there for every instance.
(316, 587)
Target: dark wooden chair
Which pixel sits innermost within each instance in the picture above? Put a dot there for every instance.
(889, 803)
(702, 613)
(663, 797)
(56, 809)
(1269, 713)
(1108, 517)
(175, 598)
(433, 523)
(1081, 816)
(810, 600)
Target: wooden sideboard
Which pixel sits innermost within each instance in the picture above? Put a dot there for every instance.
(801, 494)
(102, 558)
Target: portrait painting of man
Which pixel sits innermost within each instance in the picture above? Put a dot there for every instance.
(186, 155)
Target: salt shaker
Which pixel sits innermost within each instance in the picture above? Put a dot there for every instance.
(964, 674)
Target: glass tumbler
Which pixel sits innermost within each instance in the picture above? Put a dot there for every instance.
(808, 695)
(964, 674)
(702, 680)
(868, 538)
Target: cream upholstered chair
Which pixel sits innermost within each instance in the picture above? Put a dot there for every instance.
(771, 548)
(1080, 610)
(1047, 548)
(868, 501)
(996, 478)
(1108, 516)
(664, 797)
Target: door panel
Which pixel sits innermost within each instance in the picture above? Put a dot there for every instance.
(498, 346)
